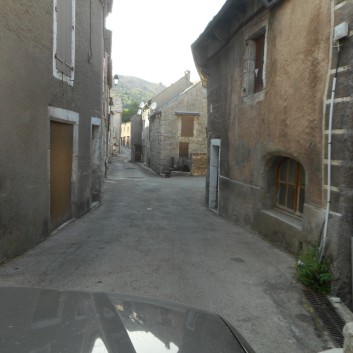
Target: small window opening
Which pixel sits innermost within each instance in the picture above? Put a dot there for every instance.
(259, 62)
(254, 64)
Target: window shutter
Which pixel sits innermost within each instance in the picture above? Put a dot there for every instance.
(187, 126)
(63, 54)
(259, 62)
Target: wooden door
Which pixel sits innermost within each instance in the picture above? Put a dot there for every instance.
(183, 150)
(61, 150)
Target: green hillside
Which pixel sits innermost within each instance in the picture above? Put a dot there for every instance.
(133, 89)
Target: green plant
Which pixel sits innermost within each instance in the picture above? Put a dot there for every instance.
(129, 112)
(312, 273)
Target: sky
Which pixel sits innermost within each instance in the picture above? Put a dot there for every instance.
(152, 39)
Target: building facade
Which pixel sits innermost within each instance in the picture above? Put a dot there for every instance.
(277, 164)
(51, 107)
(115, 125)
(178, 133)
(147, 109)
(136, 138)
(126, 134)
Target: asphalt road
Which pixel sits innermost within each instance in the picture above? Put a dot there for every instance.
(155, 237)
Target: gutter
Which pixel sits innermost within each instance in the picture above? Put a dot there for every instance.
(242, 24)
(201, 68)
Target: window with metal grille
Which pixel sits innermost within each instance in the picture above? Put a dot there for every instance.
(187, 126)
(183, 149)
(290, 186)
(64, 36)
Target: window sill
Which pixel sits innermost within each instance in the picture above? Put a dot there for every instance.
(285, 218)
(254, 97)
(64, 78)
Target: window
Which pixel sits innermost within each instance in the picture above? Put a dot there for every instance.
(290, 184)
(187, 126)
(259, 63)
(254, 61)
(64, 27)
(183, 150)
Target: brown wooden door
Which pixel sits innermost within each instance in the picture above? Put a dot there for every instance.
(183, 150)
(61, 147)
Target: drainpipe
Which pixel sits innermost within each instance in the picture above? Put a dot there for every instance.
(329, 161)
(328, 197)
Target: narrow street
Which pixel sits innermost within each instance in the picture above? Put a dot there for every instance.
(155, 237)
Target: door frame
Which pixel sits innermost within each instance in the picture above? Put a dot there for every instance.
(96, 157)
(213, 190)
(73, 118)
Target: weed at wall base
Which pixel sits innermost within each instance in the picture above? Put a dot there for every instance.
(313, 274)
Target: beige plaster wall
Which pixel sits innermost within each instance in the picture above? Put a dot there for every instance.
(286, 118)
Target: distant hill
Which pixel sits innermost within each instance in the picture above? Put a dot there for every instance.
(133, 89)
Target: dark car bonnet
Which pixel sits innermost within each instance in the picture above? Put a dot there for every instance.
(48, 321)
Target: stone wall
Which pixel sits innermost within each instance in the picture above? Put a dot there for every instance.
(165, 127)
(199, 164)
(341, 203)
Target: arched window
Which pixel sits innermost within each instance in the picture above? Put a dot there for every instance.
(290, 184)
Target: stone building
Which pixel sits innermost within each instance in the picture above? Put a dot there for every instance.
(107, 114)
(178, 133)
(126, 134)
(277, 164)
(115, 125)
(159, 100)
(136, 138)
(51, 108)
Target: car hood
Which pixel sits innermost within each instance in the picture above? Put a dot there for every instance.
(48, 321)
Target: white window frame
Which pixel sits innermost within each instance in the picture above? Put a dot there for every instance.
(56, 73)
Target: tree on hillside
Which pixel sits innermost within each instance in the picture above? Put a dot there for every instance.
(129, 111)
